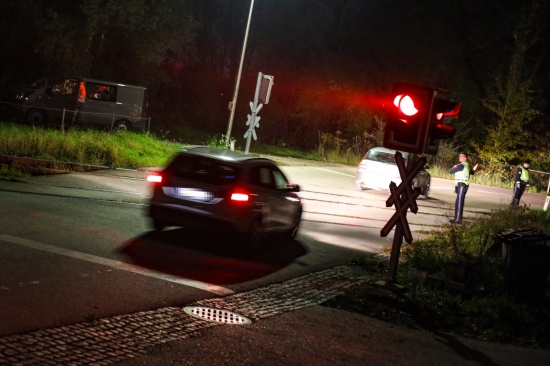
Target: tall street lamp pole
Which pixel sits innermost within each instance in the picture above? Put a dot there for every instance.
(233, 103)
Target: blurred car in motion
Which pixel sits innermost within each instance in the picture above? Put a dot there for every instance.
(378, 168)
(226, 191)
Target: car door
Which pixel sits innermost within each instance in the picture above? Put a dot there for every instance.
(100, 107)
(285, 202)
(61, 96)
(278, 204)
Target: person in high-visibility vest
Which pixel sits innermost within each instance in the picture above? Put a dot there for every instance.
(462, 182)
(520, 183)
(81, 100)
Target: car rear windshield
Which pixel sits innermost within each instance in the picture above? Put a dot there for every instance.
(203, 170)
(381, 156)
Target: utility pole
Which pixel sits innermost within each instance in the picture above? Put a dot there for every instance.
(233, 103)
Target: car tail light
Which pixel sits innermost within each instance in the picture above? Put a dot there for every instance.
(154, 178)
(239, 195)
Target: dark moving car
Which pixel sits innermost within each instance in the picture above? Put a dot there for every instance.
(111, 105)
(226, 191)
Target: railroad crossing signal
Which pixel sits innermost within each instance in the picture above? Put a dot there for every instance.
(263, 92)
(418, 119)
(407, 125)
(400, 213)
(443, 111)
(253, 121)
(403, 197)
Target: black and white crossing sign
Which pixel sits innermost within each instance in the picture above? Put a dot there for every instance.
(256, 121)
(263, 91)
(403, 197)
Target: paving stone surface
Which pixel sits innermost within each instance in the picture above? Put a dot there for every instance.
(111, 340)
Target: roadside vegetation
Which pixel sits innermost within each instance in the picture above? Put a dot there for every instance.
(455, 282)
(115, 150)
(137, 150)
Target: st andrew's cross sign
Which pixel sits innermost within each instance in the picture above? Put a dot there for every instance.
(403, 197)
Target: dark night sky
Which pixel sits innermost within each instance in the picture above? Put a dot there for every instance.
(323, 54)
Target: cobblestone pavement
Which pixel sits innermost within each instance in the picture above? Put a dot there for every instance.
(111, 340)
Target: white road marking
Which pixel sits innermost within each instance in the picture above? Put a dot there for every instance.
(332, 171)
(117, 265)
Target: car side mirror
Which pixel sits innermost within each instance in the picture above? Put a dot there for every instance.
(293, 187)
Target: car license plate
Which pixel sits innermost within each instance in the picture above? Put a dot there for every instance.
(191, 194)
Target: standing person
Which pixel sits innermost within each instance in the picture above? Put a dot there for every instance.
(521, 182)
(81, 100)
(462, 182)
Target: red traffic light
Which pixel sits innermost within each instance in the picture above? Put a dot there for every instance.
(420, 119)
(445, 108)
(405, 104)
(443, 111)
(407, 118)
(440, 131)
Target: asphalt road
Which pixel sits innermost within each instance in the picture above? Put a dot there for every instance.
(76, 247)
(79, 247)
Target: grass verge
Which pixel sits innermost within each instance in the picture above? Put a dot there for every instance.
(116, 150)
(470, 288)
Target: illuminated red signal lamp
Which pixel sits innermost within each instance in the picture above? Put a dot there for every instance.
(405, 104)
(453, 109)
(443, 110)
(407, 119)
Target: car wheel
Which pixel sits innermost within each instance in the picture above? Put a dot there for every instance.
(295, 225)
(159, 225)
(35, 118)
(427, 190)
(253, 238)
(121, 126)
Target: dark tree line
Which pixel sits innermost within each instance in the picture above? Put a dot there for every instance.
(333, 61)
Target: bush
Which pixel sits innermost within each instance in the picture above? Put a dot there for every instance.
(483, 310)
(472, 239)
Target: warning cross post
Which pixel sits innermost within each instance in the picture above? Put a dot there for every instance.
(402, 197)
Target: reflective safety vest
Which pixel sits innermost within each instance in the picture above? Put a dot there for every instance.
(524, 174)
(463, 176)
(82, 92)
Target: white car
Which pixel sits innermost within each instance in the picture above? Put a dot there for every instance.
(378, 169)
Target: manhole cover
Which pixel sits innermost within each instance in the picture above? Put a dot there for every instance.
(216, 315)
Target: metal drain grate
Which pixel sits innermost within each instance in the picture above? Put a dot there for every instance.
(216, 315)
